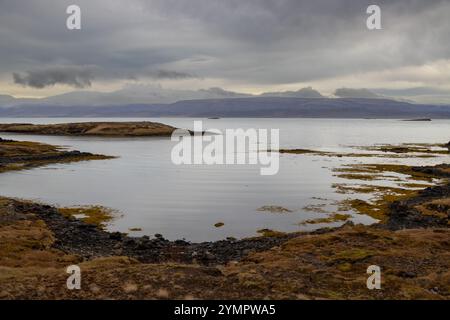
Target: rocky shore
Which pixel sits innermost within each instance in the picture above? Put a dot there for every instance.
(74, 236)
(412, 246)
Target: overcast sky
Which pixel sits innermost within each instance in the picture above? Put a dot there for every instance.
(241, 45)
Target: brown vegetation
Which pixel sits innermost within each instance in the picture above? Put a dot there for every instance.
(18, 155)
(325, 265)
(109, 129)
(96, 215)
(406, 150)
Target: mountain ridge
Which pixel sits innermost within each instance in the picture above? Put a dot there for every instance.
(271, 107)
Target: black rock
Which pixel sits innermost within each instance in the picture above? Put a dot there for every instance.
(115, 236)
(129, 242)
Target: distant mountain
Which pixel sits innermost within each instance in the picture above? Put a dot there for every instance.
(356, 93)
(302, 93)
(221, 93)
(5, 99)
(155, 101)
(137, 95)
(145, 94)
(245, 107)
(424, 95)
(130, 94)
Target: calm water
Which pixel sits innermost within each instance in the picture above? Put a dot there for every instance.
(151, 193)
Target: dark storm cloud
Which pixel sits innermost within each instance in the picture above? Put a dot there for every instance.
(251, 41)
(81, 77)
(78, 77)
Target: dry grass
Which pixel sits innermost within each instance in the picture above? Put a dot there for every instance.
(109, 129)
(21, 155)
(381, 196)
(335, 217)
(96, 215)
(439, 208)
(381, 151)
(330, 265)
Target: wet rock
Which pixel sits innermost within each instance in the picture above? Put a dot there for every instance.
(118, 252)
(87, 226)
(143, 245)
(115, 236)
(130, 242)
(209, 256)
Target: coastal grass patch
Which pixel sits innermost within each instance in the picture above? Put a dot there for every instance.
(11, 148)
(335, 217)
(382, 153)
(412, 185)
(97, 215)
(270, 233)
(413, 149)
(341, 154)
(381, 172)
(22, 155)
(380, 196)
(26, 243)
(378, 206)
(399, 151)
(438, 208)
(333, 265)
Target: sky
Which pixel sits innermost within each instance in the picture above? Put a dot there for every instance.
(250, 46)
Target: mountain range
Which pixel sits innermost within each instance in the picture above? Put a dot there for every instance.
(144, 101)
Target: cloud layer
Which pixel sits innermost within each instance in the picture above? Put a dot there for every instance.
(252, 43)
(78, 77)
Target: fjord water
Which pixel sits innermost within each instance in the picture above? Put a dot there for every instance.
(150, 192)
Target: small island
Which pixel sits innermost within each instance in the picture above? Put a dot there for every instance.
(104, 129)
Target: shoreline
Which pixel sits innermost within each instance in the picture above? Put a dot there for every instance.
(41, 242)
(22, 155)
